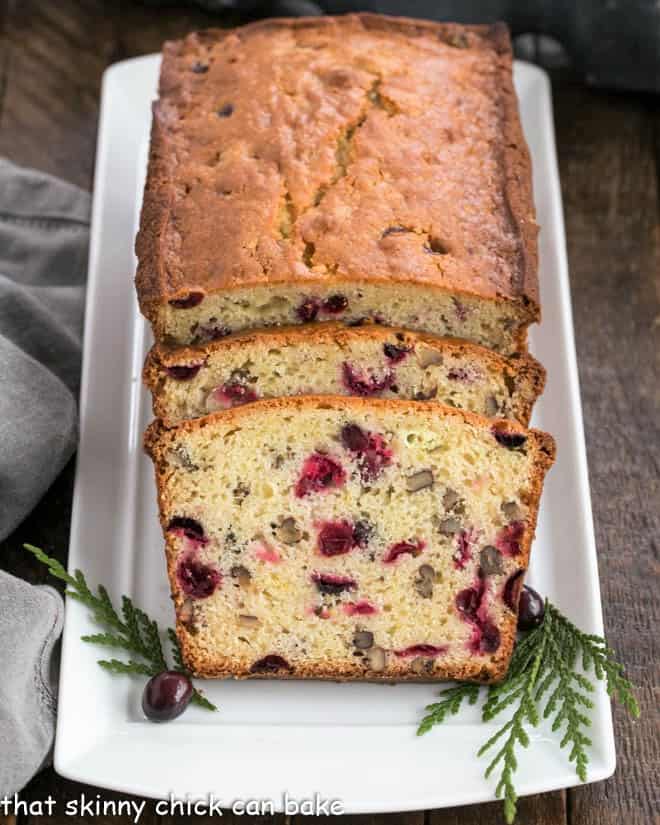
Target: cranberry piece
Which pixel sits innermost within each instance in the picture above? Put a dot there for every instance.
(335, 304)
(511, 592)
(362, 532)
(264, 552)
(270, 664)
(197, 579)
(308, 310)
(463, 553)
(396, 353)
(363, 608)
(376, 457)
(183, 372)
(166, 696)
(428, 651)
(509, 440)
(233, 395)
(460, 309)
(531, 609)
(331, 584)
(468, 602)
(226, 111)
(354, 438)
(336, 538)
(508, 539)
(189, 527)
(189, 301)
(371, 449)
(489, 638)
(365, 385)
(461, 374)
(403, 548)
(319, 472)
(239, 393)
(212, 332)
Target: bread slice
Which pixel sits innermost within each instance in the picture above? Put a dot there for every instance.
(348, 538)
(331, 359)
(339, 168)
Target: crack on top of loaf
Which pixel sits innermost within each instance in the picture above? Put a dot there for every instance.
(435, 245)
(380, 101)
(308, 254)
(287, 216)
(344, 148)
(432, 243)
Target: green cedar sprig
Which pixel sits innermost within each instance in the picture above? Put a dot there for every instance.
(451, 700)
(542, 681)
(131, 630)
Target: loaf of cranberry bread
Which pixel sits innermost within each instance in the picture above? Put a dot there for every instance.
(348, 538)
(339, 168)
(332, 359)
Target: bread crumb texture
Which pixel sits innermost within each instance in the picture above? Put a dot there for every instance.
(329, 359)
(348, 538)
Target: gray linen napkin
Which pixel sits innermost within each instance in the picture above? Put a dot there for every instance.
(30, 625)
(44, 228)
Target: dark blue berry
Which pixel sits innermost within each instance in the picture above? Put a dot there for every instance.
(192, 529)
(166, 696)
(395, 353)
(183, 372)
(308, 310)
(270, 664)
(335, 304)
(509, 440)
(531, 609)
(197, 579)
(188, 301)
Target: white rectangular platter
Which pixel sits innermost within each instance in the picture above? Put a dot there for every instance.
(350, 742)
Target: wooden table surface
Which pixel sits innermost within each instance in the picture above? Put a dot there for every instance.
(52, 56)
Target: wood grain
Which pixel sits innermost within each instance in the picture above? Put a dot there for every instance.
(52, 56)
(608, 148)
(56, 54)
(545, 809)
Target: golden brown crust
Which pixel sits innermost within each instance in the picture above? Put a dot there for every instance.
(156, 206)
(517, 165)
(473, 671)
(200, 664)
(163, 355)
(157, 440)
(156, 433)
(180, 249)
(523, 369)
